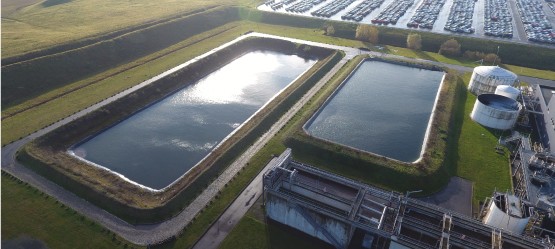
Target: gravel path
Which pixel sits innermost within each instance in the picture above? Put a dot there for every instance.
(155, 233)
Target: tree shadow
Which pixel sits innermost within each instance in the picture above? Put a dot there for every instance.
(50, 3)
(424, 56)
(455, 130)
(281, 236)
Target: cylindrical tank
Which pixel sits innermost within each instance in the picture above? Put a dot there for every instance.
(507, 212)
(486, 78)
(495, 111)
(507, 91)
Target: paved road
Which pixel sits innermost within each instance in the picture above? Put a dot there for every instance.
(149, 234)
(454, 196)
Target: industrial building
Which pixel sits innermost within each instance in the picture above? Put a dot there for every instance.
(334, 209)
(485, 79)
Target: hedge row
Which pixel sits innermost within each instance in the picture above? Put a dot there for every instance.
(511, 53)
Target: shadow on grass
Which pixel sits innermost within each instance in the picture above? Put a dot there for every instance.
(50, 3)
(452, 155)
(281, 236)
(424, 56)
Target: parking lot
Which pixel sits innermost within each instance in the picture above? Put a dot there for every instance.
(525, 21)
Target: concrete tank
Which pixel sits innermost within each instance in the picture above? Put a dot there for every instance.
(485, 79)
(507, 91)
(507, 212)
(495, 111)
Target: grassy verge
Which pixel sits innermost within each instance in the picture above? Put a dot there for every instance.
(27, 211)
(472, 153)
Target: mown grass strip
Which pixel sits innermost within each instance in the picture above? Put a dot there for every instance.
(472, 153)
(28, 211)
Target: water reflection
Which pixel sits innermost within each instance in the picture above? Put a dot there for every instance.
(383, 108)
(157, 145)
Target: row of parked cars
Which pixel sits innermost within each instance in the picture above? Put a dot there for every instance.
(393, 12)
(332, 8)
(498, 19)
(426, 14)
(362, 10)
(537, 26)
(551, 5)
(303, 6)
(460, 17)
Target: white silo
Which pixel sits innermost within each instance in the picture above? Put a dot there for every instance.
(507, 212)
(486, 78)
(507, 91)
(495, 111)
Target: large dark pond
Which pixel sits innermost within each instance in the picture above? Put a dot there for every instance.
(157, 145)
(383, 108)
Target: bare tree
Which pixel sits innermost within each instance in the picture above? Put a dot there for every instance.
(330, 30)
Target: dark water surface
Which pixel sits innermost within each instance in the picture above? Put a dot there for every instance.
(383, 108)
(157, 145)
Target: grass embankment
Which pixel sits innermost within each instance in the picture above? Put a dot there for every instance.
(42, 25)
(55, 224)
(30, 78)
(428, 174)
(62, 102)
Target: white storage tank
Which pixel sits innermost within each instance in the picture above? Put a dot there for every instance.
(485, 79)
(507, 212)
(495, 111)
(507, 91)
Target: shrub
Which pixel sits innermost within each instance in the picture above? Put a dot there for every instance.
(367, 33)
(414, 41)
(450, 47)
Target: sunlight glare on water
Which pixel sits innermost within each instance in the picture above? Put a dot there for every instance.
(158, 144)
(230, 85)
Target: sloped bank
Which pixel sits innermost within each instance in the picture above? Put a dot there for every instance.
(47, 155)
(429, 173)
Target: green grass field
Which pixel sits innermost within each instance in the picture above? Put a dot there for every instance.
(472, 154)
(29, 212)
(41, 25)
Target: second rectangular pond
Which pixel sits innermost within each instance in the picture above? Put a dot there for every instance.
(382, 108)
